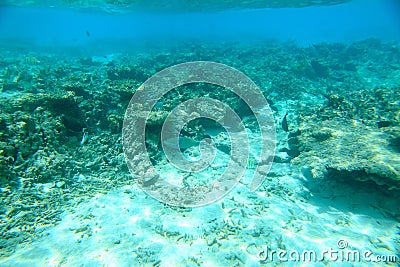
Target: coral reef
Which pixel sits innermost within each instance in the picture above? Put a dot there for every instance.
(61, 118)
(353, 135)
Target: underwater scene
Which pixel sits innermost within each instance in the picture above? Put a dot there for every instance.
(199, 133)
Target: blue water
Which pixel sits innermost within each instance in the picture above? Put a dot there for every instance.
(348, 22)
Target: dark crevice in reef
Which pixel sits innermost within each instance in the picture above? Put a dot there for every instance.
(395, 144)
(360, 177)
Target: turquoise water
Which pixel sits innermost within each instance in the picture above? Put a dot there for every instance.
(214, 133)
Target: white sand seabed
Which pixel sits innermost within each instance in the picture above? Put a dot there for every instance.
(127, 228)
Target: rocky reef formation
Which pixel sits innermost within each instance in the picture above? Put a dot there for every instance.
(59, 142)
(352, 136)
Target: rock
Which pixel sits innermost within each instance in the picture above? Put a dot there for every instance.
(60, 184)
(116, 241)
(282, 157)
(352, 150)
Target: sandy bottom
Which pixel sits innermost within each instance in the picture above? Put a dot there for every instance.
(127, 228)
